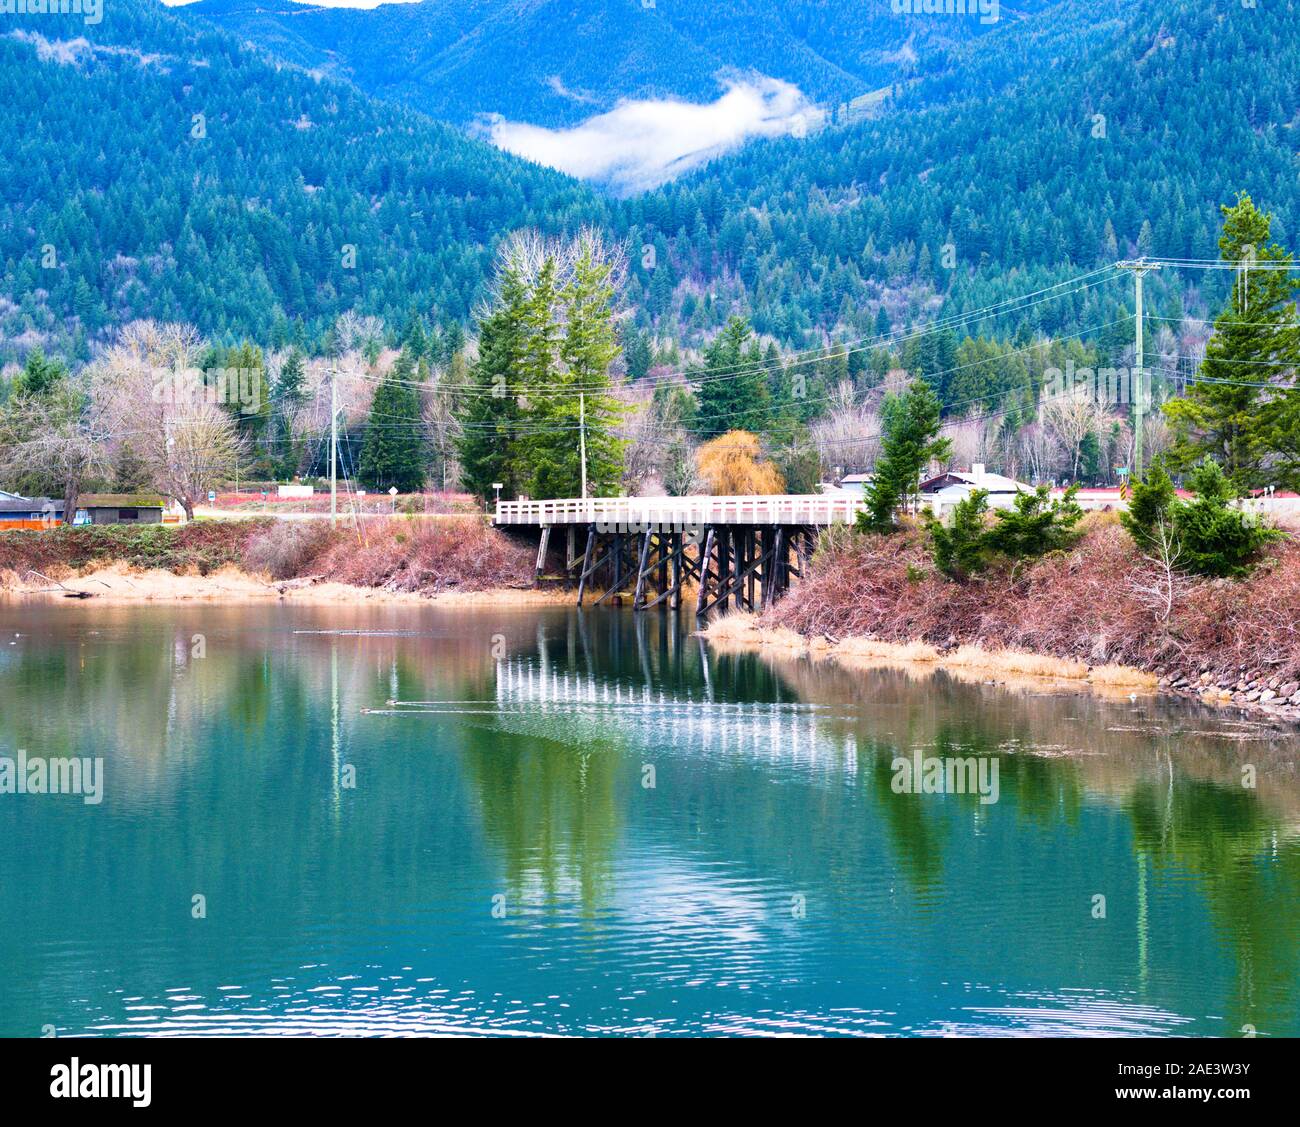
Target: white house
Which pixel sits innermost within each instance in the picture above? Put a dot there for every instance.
(856, 483)
(943, 493)
(852, 485)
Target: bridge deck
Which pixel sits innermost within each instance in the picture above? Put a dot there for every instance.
(681, 512)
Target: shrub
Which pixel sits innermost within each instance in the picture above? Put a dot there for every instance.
(1215, 538)
(1150, 508)
(1207, 535)
(433, 555)
(959, 548)
(288, 548)
(202, 546)
(1065, 605)
(1036, 525)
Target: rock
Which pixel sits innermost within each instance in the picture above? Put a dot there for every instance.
(1274, 682)
(1266, 696)
(1252, 696)
(1289, 689)
(1295, 698)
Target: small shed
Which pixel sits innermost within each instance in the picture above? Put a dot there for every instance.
(119, 508)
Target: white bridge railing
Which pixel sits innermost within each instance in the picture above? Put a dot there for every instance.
(682, 512)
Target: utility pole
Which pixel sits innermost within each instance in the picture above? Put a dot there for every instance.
(582, 439)
(334, 448)
(1139, 267)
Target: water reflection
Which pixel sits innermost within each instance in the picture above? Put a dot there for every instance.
(410, 820)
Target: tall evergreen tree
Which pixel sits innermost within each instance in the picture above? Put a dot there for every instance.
(1244, 410)
(489, 412)
(732, 386)
(558, 419)
(392, 452)
(39, 375)
(290, 394)
(911, 440)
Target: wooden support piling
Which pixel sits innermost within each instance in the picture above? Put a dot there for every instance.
(542, 545)
(587, 566)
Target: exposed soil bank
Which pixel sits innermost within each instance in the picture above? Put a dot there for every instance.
(121, 583)
(1099, 613)
(971, 663)
(390, 559)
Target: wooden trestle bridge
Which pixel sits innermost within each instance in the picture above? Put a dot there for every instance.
(737, 550)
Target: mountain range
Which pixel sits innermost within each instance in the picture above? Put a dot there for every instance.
(259, 169)
(556, 62)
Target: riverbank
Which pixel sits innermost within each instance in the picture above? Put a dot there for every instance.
(120, 583)
(452, 560)
(1100, 614)
(747, 632)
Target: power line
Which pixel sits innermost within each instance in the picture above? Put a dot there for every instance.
(768, 366)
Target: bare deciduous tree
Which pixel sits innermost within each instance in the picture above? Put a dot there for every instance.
(1159, 591)
(849, 434)
(56, 437)
(1072, 417)
(199, 449)
(1038, 451)
(146, 392)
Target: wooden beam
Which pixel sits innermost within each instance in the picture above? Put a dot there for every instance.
(639, 597)
(737, 581)
(542, 545)
(676, 587)
(705, 556)
(623, 575)
(587, 566)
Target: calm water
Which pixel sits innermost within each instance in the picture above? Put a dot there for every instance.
(501, 866)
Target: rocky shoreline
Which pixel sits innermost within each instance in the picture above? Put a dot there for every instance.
(1254, 695)
(1251, 691)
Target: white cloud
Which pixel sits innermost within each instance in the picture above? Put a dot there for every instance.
(640, 144)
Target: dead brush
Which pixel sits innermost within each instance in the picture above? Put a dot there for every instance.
(1104, 602)
(428, 556)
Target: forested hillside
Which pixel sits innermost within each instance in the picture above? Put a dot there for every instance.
(172, 173)
(555, 62)
(1122, 136)
(149, 167)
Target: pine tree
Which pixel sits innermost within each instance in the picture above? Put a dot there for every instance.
(392, 453)
(732, 387)
(291, 391)
(1232, 413)
(489, 412)
(290, 394)
(39, 375)
(911, 440)
(558, 419)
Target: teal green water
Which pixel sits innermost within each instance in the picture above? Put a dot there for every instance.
(496, 862)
